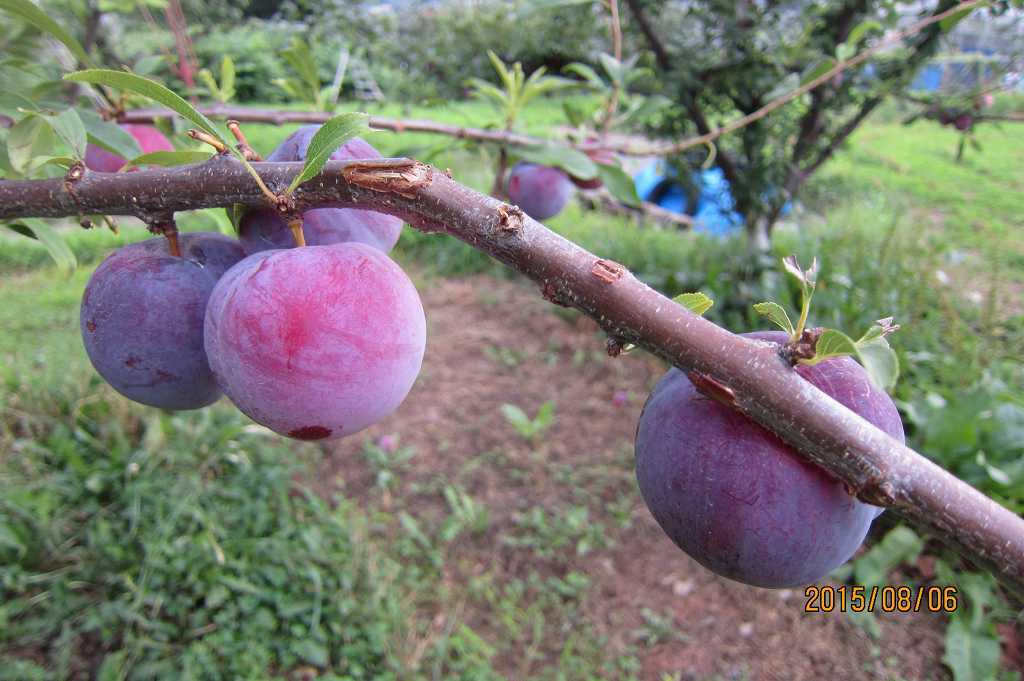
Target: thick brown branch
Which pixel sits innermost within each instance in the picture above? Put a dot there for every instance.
(661, 55)
(766, 388)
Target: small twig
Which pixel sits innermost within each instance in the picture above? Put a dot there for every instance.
(243, 143)
(208, 139)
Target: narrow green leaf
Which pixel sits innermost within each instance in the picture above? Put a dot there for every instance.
(588, 74)
(947, 24)
(170, 158)
(123, 80)
(227, 79)
(697, 303)
(48, 237)
(574, 162)
(109, 135)
(29, 12)
(71, 130)
(612, 66)
(862, 29)
(327, 139)
(620, 185)
(776, 314)
(235, 212)
(817, 70)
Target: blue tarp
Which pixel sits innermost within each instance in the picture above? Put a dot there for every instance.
(714, 209)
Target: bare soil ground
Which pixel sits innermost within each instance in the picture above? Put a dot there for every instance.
(493, 342)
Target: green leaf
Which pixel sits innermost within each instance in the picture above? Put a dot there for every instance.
(170, 158)
(300, 57)
(109, 135)
(327, 139)
(900, 545)
(880, 361)
(817, 70)
(831, 343)
(574, 162)
(807, 277)
(150, 89)
(776, 314)
(227, 79)
(613, 67)
(697, 303)
(235, 212)
(588, 74)
(947, 24)
(619, 184)
(517, 417)
(48, 237)
(30, 137)
(970, 655)
(29, 12)
(312, 652)
(70, 129)
(862, 29)
(844, 51)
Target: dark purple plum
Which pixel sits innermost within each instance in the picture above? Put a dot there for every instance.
(264, 229)
(316, 342)
(541, 191)
(739, 500)
(149, 138)
(142, 318)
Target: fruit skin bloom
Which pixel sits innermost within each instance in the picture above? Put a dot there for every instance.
(316, 342)
(541, 191)
(739, 500)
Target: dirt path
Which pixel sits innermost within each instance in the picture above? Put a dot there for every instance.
(568, 504)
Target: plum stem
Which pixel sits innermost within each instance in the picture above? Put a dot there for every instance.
(172, 243)
(296, 227)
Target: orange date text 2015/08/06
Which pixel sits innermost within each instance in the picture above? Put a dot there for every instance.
(828, 598)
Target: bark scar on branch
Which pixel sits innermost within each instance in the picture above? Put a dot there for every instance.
(385, 176)
(607, 271)
(510, 218)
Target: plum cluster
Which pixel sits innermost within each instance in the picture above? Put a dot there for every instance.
(739, 500)
(315, 342)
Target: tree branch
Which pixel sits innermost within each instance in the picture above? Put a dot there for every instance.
(661, 55)
(876, 468)
(657, 148)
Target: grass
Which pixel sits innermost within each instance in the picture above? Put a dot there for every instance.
(133, 543)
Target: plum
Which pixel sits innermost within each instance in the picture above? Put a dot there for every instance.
(149, 138)
(739, 500)
(316, 342)
(262, 229)
(963, 122)
(142, 318)
(541, 191)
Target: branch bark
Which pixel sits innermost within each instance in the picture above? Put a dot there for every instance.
(877, 468)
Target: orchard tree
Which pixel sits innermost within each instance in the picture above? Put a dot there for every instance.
(321, 335)
(719, 59)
